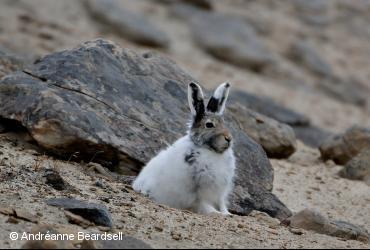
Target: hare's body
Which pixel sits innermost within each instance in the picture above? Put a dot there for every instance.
(197, 171)
(186, 176)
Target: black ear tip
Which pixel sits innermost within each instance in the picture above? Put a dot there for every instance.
(227, 85)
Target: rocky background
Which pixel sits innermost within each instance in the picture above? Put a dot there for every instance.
(91, 90)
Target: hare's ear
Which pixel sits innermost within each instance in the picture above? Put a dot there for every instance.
(196, 100)
(217, 102)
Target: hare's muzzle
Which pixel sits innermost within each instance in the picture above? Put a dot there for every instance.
(220, 142)
(227, 136)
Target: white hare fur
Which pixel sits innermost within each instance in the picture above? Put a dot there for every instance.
(194, 174)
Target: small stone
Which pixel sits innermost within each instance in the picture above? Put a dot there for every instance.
(24, 215)
(99, 183)
(158, 228)
(6, 210)
(53, 179)
(358, 168)
(104, 229)
(176, 236)
(133, 215)
(272, 231)
(32, 152)
(297, 231)
(312, 220)
(93, 212)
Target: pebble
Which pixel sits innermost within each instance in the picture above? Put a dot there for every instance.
(176, 236)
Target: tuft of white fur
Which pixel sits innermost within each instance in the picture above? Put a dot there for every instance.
(203, 187)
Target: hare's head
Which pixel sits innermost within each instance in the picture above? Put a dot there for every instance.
(207, 128)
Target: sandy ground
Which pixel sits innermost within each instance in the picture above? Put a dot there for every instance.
(23, 187)
(301, 181)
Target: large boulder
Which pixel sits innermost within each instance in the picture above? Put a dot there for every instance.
(268, 107)
(305, 54)
(121, 108)
(132, 26)
(8, 63)
(308, 133)
(314, 12)
(348, 90)
(277, 139)
(312, 135)
(228, 38)
(343, 147)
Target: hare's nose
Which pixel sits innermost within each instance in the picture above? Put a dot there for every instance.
(228, 138)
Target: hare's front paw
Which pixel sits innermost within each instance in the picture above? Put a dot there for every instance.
(205, 208)
(226, 213)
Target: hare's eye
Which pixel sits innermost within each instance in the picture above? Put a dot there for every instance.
(209, 125)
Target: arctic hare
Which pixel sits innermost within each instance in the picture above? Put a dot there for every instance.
(196, 172)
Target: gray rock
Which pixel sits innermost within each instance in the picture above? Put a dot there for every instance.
(52, 178)
(93, 212)
(313, 12)
(311, 5)
(312, 220)
(2, 128)
(202, 4)
(127, 242)
(221, 37)
(312, 135)
(345, 90)
(227, 38)
(304, 131)
(349, 231)
(358, 168)
(343, 147)
(132, 26)
(253, 199)
(100, 98)
(305, 54)
(309, 220)
(277, 139)
(269, 108)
